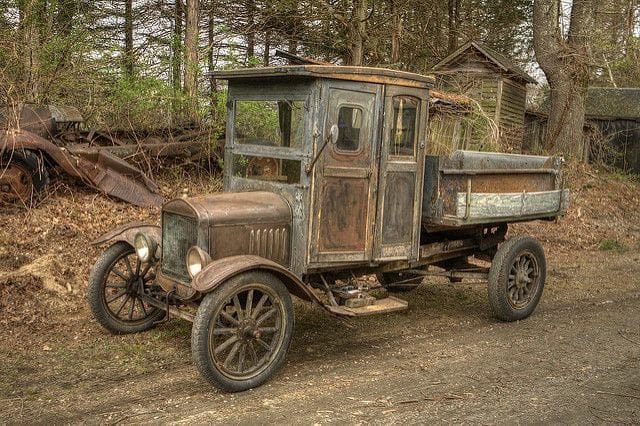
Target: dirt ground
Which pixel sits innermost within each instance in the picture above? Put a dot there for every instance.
(575, 360)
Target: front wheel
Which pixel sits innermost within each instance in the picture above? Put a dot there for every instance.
(242, 331)
(115, 284)
(516, 278)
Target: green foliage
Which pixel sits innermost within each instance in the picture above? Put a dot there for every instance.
(612, 245)
(141, 103)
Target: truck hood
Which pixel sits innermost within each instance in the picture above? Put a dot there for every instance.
(231, 208)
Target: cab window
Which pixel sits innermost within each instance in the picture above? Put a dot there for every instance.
(403, 130)
(349, 125)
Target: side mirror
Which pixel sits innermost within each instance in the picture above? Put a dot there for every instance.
(334, 133)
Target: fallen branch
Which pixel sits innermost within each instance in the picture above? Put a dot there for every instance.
(627, 339)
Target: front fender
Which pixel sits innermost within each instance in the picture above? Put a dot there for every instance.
(128, 232)
(218, 271)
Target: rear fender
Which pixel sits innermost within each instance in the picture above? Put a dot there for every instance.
(128, 232)
(219, 271)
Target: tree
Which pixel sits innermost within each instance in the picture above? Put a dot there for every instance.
(191, 64)
(565, 60)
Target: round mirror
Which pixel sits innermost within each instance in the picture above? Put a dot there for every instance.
(334, 133)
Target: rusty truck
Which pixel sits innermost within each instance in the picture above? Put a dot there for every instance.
(325, 181)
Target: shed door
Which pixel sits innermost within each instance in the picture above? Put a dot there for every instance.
(345, 176)
(401, 174)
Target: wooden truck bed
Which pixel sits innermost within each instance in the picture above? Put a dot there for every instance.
(472, 188)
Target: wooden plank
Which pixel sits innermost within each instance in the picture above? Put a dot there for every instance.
(490, 205)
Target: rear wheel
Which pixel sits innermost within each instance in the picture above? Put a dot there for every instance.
(516, 278)
(23, 178)
(242, 331)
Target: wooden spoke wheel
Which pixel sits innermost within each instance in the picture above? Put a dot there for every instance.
(22, 178)
(242, 331)
(516, 278)
(116, 283)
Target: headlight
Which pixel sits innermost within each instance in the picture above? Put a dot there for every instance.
(145, 247)
(197, 259)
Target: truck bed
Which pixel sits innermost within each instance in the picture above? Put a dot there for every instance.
(473, 188)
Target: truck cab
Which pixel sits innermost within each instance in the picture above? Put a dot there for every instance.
(356, 196)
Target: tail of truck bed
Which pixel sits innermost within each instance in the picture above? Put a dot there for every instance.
(472, 188)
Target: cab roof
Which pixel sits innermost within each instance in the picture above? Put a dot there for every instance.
(360, 74)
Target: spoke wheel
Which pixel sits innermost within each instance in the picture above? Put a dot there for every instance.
(516, 278)
(523, 279)
(242, 331)
(22, 178)
(115, 285)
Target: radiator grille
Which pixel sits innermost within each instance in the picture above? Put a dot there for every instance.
(179, 233)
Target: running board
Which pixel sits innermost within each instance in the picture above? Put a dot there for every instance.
(380, 306)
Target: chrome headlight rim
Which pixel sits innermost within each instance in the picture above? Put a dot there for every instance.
(145, 247)
(196, 260)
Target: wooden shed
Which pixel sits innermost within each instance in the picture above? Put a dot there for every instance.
(611, 131)
(498, 88)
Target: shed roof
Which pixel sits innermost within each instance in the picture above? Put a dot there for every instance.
(612, 102)
(496, 58)
(607, 103)
(363, 74)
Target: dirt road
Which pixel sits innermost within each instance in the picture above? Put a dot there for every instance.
(576, 360)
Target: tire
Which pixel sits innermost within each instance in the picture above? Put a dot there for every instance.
(516, 278)
(224, 335)
(388, 280)
(23, 178)
(113, 290)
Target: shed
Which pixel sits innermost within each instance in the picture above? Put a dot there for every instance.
(612, 127)
(498, 87)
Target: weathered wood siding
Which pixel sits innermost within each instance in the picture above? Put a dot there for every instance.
(448, 132)
(499, 120)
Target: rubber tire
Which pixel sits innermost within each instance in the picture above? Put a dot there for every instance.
(386, 279)
(200, 331)
(40, 178)
(499, 273)
(94, 293)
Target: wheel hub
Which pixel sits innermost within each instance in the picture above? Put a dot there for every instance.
(15, 181)
(248, 330)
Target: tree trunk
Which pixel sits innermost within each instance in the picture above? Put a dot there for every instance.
(267, 46)
(251, 32)
(213, 88)
(396, 32)
(128, 39)
(565, 62)
(176, 46)
(453, 24)
(356, 33)
(191, 58)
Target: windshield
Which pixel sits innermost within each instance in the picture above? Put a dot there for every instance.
(269, 123)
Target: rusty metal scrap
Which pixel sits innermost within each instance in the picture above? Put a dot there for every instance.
(97, 168)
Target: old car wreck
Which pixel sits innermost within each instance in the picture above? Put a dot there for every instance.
(326, 180)
(36, 140)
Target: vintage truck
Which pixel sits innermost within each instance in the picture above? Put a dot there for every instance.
(326, 180)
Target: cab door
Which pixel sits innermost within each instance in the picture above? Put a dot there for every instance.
(345, 175)
(401, 174)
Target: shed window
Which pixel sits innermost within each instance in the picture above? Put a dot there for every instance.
(403, 130)
(349, 125)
